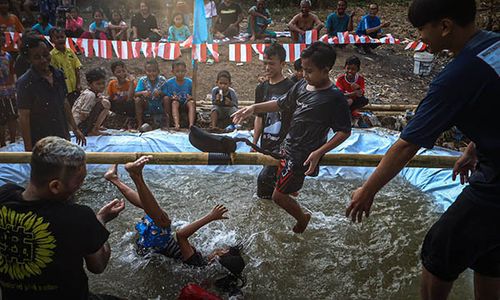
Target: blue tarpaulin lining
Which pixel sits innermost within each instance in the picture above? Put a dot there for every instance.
(436, 182)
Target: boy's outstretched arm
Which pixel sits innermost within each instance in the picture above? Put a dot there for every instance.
(315, 156)
(264, 107)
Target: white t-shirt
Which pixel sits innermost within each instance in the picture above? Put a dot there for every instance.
(210, 10)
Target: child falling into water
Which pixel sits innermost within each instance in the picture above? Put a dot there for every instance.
(317, 107)
(156, 234)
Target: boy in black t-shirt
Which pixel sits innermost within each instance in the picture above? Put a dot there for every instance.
(317, 106)
(271, 128)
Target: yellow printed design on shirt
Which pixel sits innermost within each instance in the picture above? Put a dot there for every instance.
(25, 244)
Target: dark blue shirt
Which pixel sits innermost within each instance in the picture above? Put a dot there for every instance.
(466, 94)
(367, 22)
(45, 102)
(336, 23)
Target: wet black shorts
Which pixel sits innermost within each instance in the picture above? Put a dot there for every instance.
(89, 123)
(266, 182)
(8, 109)
(466, 236)
(290, 177)
(196, 260)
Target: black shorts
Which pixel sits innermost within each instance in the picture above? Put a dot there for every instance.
(290, 177)
(466, 236)
(72, 97)
(8, 109)
(124, 108)
(266, 182)
(89, 123)
(196, 260)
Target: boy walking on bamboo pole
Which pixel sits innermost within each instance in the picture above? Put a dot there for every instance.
(317, 107)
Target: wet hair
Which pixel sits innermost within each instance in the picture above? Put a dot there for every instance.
(462, 12)
(178, 63)
(30, 41)
(44, 17)
(353, 60)
(152, 62)
(275, 49)
(322, 55)
(177, 14)
(95, 75)
(224, 74)
(54, 158)
(117, 63)
(234, 263)
(297, 64)
(56, 30)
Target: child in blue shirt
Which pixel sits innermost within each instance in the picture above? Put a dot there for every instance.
(149, 97)
(178, 32)
(179, 90)
(43, 26)
(98, 29)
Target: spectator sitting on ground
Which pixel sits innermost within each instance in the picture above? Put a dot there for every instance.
(258, 20)
(178, 31)
(298, 73)
(224, 100)
(97, 29)
(304, 21)
(227, 23)
(339, 21)
(179, 90)
(121, 90)
(144, 25)
(371, 25)
(62, 234)
(352, 84)
(61, 12)
(92, 107)
(117, 27)
(65, 59)
(49, 7)
(43, 26)
(74, 23)
(11, 23)
(149, 97)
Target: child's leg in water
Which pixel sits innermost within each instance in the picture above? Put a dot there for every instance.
(132, 196)
(293, 208)
(185, 232)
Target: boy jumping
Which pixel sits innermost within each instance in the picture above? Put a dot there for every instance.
(317, 106)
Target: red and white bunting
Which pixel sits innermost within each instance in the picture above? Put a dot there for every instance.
(293, 51)
(136, 49)
(416, 45)
(200, 52)
(214, 51)
(70, 43)
(389, 39)
(311, 36)
(169, 51)
(86, 46)
(187, 43)
(147, 49)
(123, 49)
(240, 52)
(103, 48)
(259, 49)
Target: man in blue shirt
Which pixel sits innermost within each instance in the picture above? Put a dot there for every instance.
(339, 21)
(371, 25)
(464, 94)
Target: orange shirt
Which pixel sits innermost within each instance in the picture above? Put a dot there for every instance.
(12, 24)
(114, 89)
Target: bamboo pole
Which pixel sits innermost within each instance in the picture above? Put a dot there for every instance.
(372, 107)
(184, 158)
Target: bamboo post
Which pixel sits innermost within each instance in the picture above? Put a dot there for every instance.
(197, 158)
(370, 107)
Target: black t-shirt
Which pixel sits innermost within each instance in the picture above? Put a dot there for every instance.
(21, 66)
(144, 25)
(314, 113)
(466, 94)
(42, 246)
(45, 102)
(228, 14)
(276, 124)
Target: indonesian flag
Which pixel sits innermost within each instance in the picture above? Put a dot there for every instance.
(259, 49)
(169, 51)
(147, 49)
(86, 46)
(136, 49)
(214, 50)
(103, 48)
(293, 51)
(70, 43)
(13, 38)
(187, 43)
(123, 49)
(200, 52)
(311, 36)
(240, 52)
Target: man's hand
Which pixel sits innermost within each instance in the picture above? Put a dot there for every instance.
(218, 212)
(312, 161)
(242, 114)
(464, 166)
(156, 93)
(361, 202)
(80, 137)
(386, 24)
(110, 211)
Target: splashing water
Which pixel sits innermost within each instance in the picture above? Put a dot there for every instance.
(333, 259)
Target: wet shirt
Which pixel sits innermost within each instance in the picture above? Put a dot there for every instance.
(43, 244)
(228, 14)
(314, 114)
(335, 23)
(466, 94)
(117, 92)
(45, 102)
(144, 25)
(276, 124)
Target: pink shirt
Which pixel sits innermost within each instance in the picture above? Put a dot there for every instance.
(73, 24)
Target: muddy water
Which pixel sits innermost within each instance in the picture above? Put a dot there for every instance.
(333, 259)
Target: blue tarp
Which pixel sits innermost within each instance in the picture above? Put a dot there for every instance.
(436, 182)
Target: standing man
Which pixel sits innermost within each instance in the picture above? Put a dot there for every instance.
(45, 235)
(464, 94)
(41, 98)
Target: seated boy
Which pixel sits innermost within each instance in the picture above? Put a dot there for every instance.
(298, 73)
(304, 21)
(91, 108)
(352, 84)
(339, 21)
(317, 107)
(258, 20)
(224, 100)
(371, 25)
(148, 97)
(179, 91)
(121, 90)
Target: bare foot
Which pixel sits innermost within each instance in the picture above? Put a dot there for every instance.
(135, 168)
(112, 173)
(177, 127)
(300, 227)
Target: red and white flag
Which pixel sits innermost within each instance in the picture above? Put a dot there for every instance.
(187, 43)
(102, 48)
(389, 39)
(240, 52)
(136, 49)
(311, 36)
(123, 49)
(200, 52)
(86, 46)
(214, 51)
(169, 51)
(416, 45)
(259, 49)
(147, 49)
(293, 51)
(70, 43)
